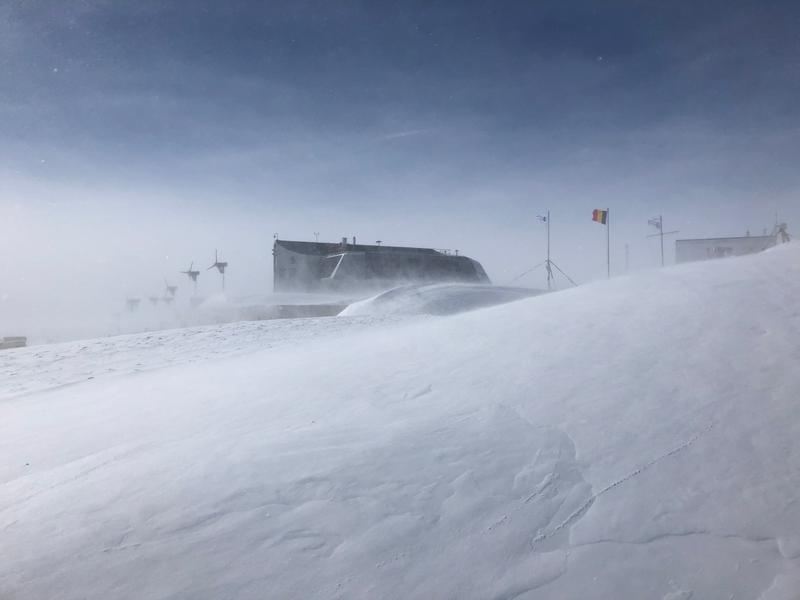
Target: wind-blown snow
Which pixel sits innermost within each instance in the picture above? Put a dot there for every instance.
(436, 299)
(637, 438)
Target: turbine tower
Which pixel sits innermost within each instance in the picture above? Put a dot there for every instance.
(221, 266)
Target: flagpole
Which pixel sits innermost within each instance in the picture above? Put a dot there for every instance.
(608, 242)
(627, 258)
(549, 271)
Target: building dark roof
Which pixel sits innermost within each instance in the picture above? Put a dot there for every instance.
(326, 248)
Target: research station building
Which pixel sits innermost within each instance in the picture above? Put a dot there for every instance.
(344, 266)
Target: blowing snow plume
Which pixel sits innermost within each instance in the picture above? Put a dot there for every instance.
(604, 441)
(436, 299)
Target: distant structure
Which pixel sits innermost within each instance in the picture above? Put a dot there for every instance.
(320, 266)
(705, 249)
(132, 304)
(221, 266)
(781, 230)
(14, 341)
(153, 300)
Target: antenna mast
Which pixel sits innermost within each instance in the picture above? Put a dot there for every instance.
(548, 263)
(658, 223)
(549, 269)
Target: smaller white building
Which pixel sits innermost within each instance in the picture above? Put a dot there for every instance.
(708, 248)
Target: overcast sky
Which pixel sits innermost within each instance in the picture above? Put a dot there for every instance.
(137, 136)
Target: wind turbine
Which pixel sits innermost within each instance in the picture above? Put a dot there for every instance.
(221, 266)
(169, 292)
(171, 289)
(192, 274)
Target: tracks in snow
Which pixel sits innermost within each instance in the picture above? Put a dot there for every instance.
(581, 510)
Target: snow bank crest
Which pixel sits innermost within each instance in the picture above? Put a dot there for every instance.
(436, 299)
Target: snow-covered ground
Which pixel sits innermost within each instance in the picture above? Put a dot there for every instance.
(637, 438)
(48, 366)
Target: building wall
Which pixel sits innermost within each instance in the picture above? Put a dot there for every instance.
(294, 271)
(706, 249)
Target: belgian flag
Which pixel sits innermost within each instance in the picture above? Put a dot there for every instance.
(601, 216)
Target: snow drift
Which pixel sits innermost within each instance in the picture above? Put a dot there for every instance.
(636, 438)
(436, 299)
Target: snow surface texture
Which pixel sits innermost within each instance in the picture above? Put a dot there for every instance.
(637, 438)
(436, 299)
